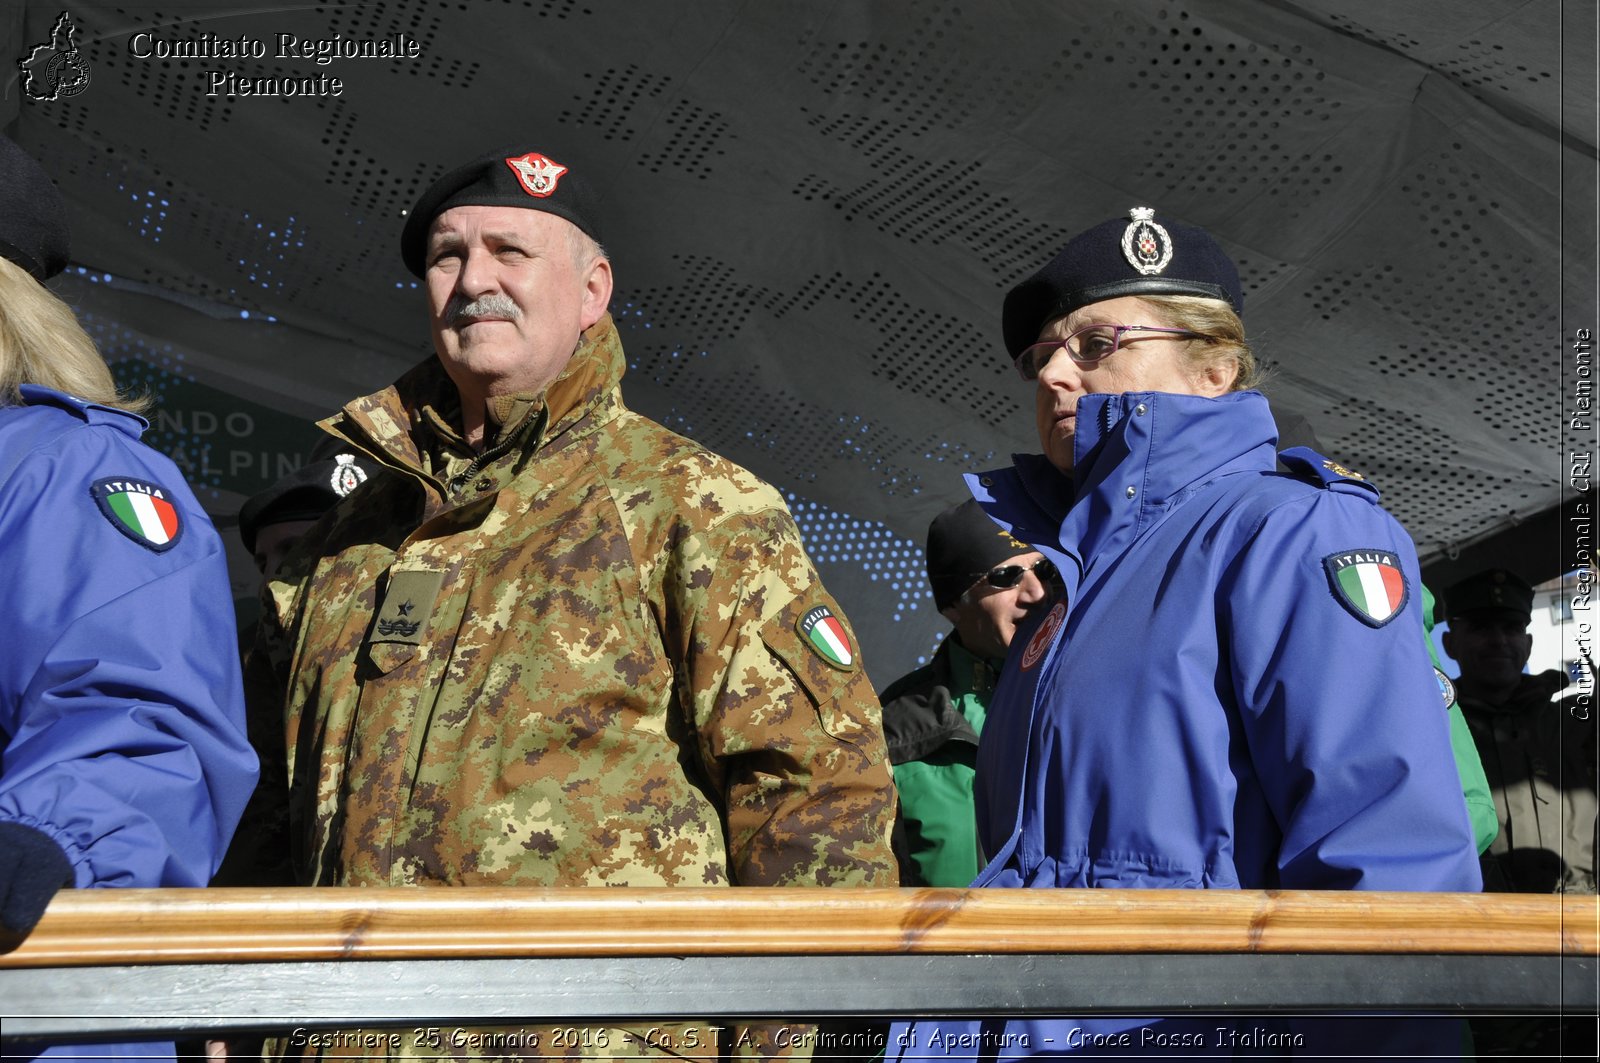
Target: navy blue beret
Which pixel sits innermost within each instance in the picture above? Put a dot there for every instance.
(33, 216)
(1138, 255)
(514, 176)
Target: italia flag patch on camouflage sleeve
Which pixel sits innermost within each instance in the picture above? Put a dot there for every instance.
(1369, 583)
(826, 635)
(139, 509)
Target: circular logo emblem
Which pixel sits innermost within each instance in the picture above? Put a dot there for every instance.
(1447, 689)
(66, 75)
(1044, 636)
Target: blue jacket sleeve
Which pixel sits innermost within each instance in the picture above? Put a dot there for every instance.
(121, 710)
(1338, 701)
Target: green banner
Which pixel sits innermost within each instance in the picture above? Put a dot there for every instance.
(221, 442)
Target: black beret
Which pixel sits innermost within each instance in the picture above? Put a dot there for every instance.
(334, 469)
(963, 543)
(1116, 258)
(1493, 588)
(514, 176)
(33, 216)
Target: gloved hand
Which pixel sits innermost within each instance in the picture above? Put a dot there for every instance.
(32, 869)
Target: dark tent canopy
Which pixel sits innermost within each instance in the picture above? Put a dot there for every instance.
(815, 208)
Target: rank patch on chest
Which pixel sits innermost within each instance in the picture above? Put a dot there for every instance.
(1368, 583)
(825, 634)
(1044, 636)
(139, 509)
(407, 606)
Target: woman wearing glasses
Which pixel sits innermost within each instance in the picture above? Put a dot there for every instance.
(1233, 692)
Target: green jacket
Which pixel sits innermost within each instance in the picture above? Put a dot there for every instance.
(592, 655)
(1474, 786)
(932, 719)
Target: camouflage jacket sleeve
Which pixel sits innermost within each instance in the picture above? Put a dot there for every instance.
(789, 736)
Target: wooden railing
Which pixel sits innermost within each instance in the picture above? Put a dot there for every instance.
(121, 962)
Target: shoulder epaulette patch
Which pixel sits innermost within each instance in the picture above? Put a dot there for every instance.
(1340, 471)
(825, 634)
(139, 509)
(1312, 467)
(1369, 583)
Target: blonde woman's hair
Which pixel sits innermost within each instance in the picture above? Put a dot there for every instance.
(1215, 319)
(42, 343)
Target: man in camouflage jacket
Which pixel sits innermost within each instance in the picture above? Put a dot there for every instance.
(551, 643)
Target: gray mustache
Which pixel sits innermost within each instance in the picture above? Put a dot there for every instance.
(493, 305)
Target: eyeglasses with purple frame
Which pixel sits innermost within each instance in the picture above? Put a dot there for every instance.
(1088, 345)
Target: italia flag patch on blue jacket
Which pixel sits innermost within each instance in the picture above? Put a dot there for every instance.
(139, 509)
(1369, 583)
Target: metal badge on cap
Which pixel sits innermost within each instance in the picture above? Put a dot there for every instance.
(1145, 244)
(538, 173)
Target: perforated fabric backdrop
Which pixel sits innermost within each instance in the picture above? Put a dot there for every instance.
(814, 210)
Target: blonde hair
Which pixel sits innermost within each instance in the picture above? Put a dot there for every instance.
(1225, 341)
(42, 343)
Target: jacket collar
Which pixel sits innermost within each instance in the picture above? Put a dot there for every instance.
(918, 722)
(422, 409)
(968, 671)
(1532, 694)
(1138, 454)
(1164, 445)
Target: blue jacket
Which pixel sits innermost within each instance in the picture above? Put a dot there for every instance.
(121, 712)
(1235, 692)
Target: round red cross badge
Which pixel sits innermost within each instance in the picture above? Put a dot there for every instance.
(1044, 636)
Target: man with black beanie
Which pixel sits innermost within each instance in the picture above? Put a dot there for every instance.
(985, 583)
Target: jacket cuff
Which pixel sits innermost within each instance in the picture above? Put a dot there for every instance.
(32, 868)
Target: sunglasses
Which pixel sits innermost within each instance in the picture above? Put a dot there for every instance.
(1009, 575)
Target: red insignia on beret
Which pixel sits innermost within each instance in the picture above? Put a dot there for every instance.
(539, 174)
